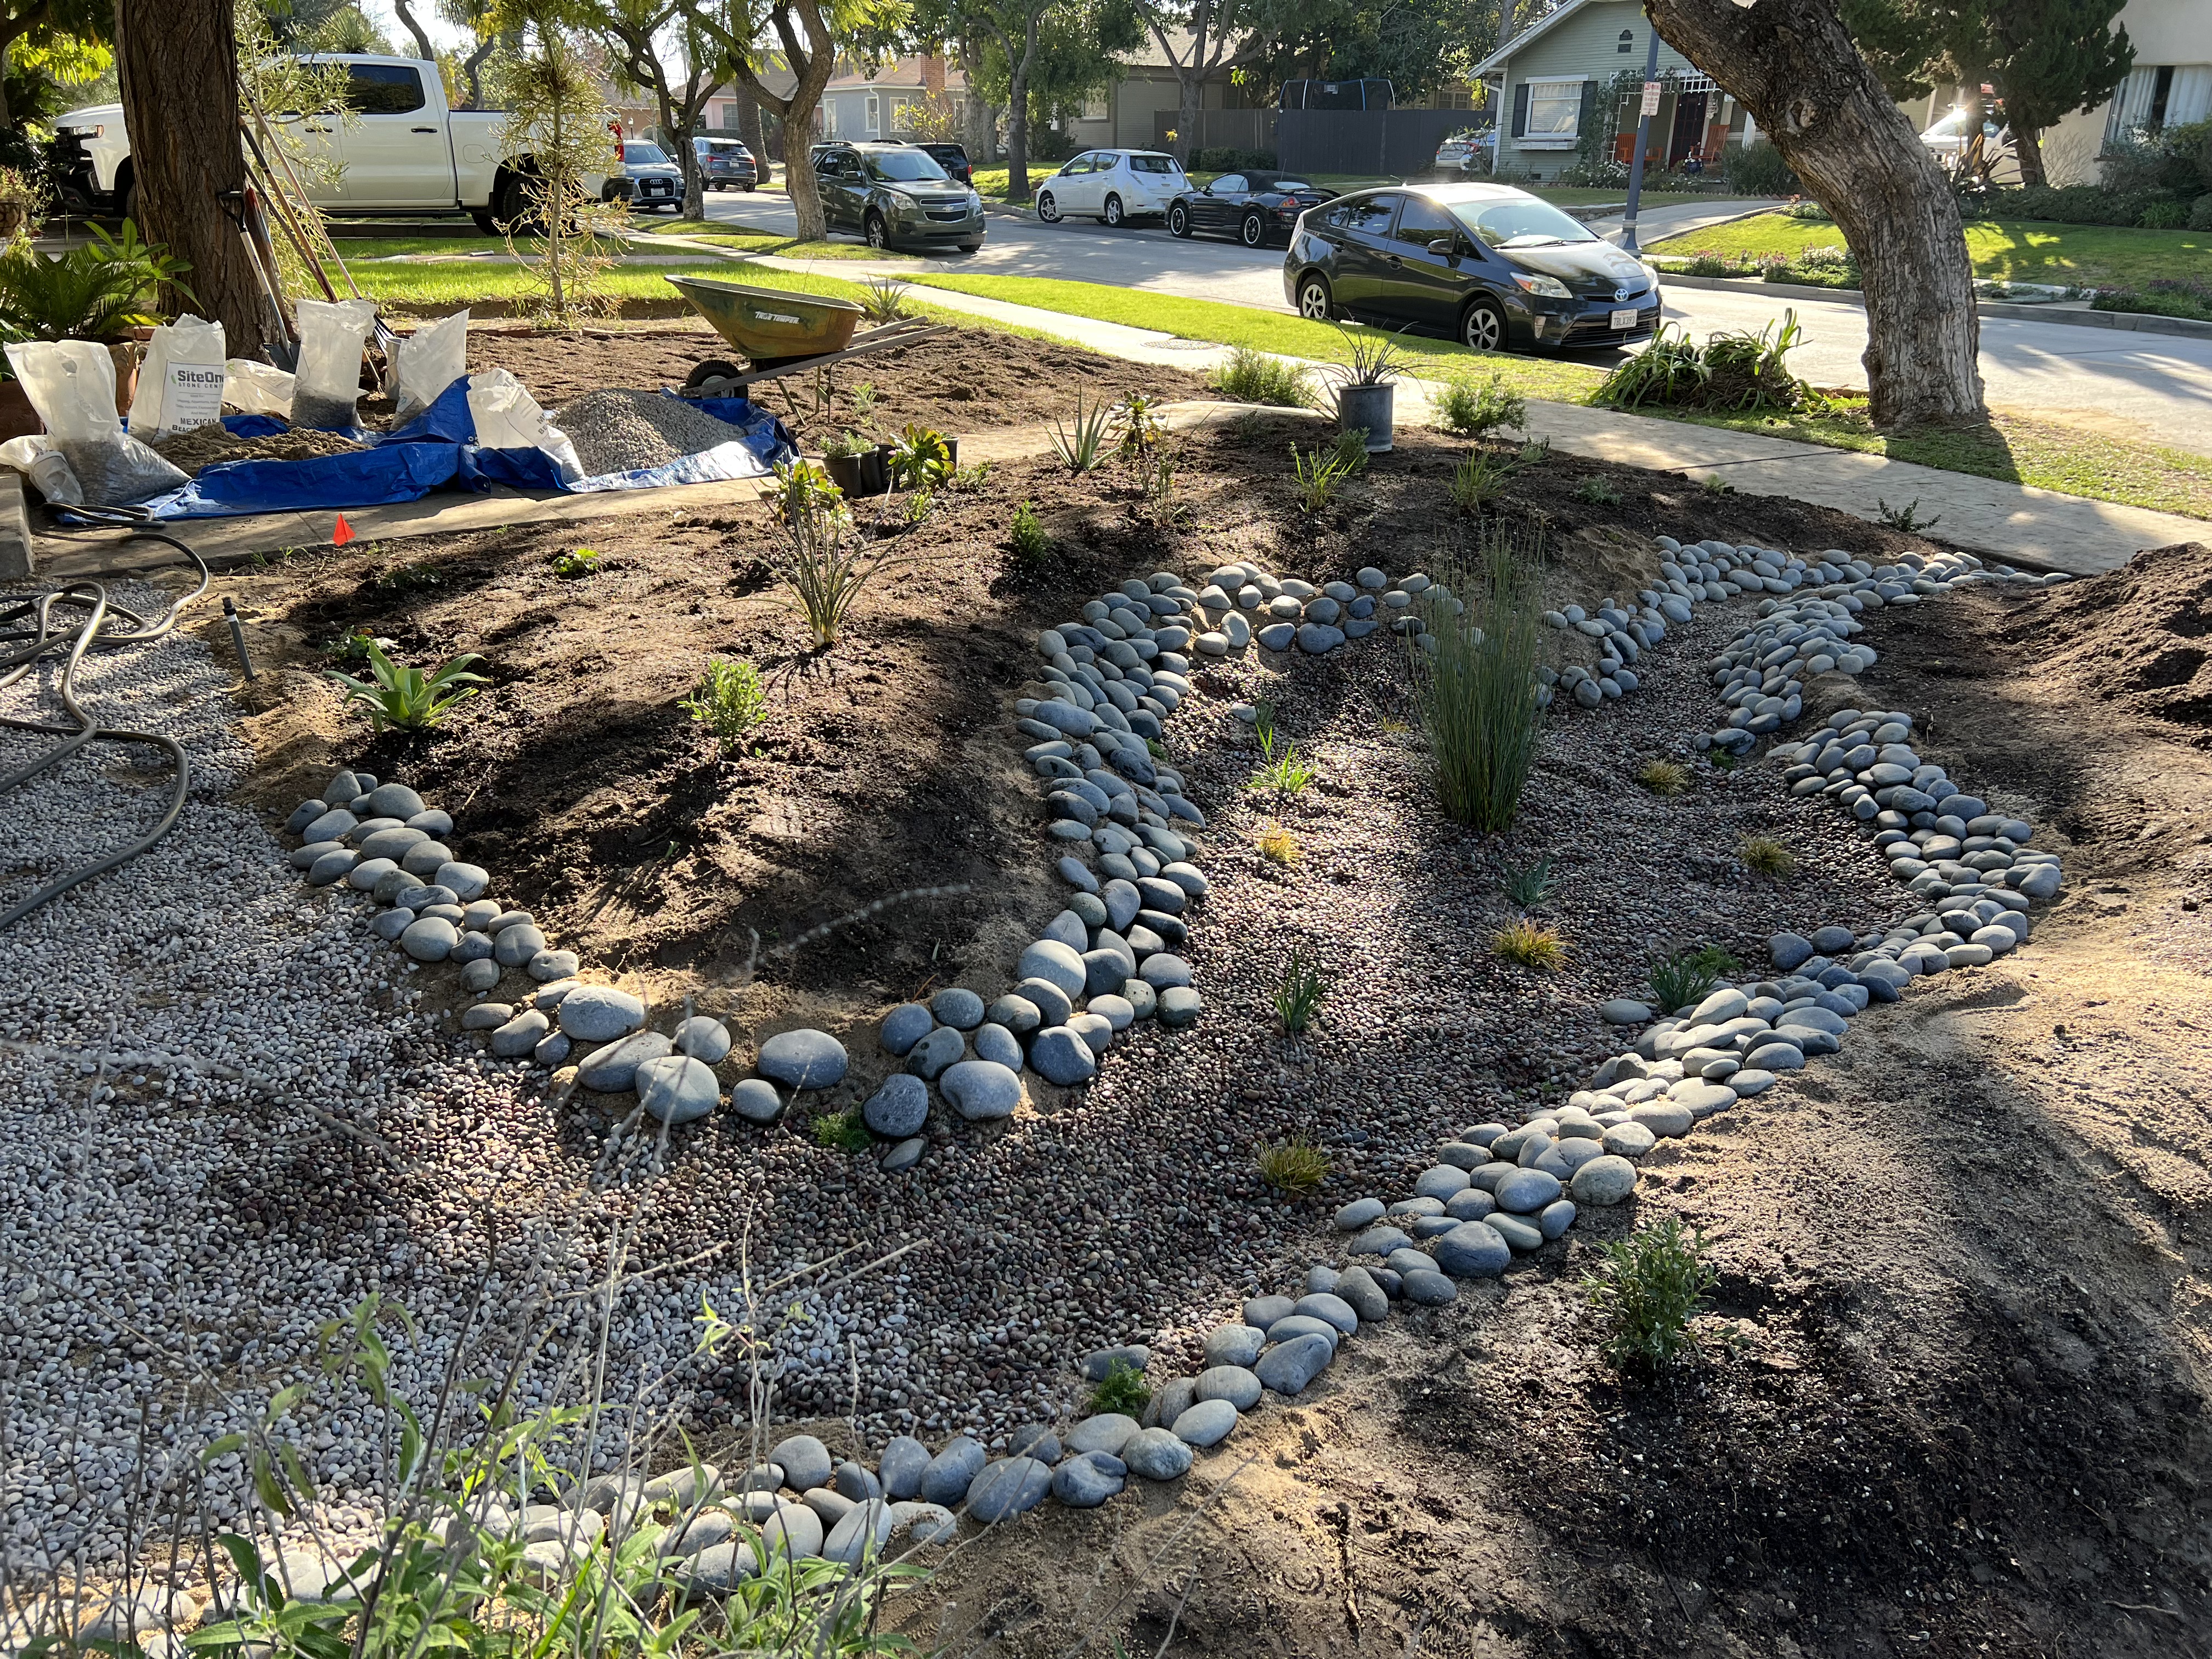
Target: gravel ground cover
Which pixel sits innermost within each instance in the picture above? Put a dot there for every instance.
(619, 431)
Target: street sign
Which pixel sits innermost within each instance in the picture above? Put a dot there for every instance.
(1650, 98)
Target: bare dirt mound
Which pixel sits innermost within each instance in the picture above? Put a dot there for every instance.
(2137, 636)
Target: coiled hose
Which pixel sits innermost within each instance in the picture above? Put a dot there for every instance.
(70, 622)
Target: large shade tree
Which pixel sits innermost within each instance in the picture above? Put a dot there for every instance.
(1793, 65)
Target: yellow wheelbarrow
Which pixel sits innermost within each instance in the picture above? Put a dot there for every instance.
(780, 332)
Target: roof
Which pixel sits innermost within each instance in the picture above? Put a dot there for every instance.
(1535, 31)
(901, 74)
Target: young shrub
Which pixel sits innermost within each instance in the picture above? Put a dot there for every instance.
(1687, 979)
(1300, 994)
(1467, 410)
(407, 699)
(1027, 539)
(825, 563)
(1122, 1390)
(1081, 445)
(1317, 475)
(1645, 1292)
(1536, 453)
(1254, 377)
(576, 565)
(1478, 480)
(920, 457)
(864, 400)
(1350, 449)
(1530, 946)
(1138, 432)
(1714, 485)
(1663, 777)
(1279, 846)
(840, 1132)
(1294, 1166)
(1765, 855)
(1529, 887)
(1598, 491)
(883, 300)
(729, 700)
(1477, 690)
(1907, 518)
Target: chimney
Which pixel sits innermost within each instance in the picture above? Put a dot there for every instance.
(933, 73)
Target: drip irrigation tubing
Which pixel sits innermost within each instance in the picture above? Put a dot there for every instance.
(70, 623)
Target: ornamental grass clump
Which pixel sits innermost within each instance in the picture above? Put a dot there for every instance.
(1645, 1292)
(825, 562)
(1476, 689)
(1664, 777)
(1254, 377)
(1765, 855)
(1300, 995)
(1685, 980)
(1294, 1166)
(1530, 945)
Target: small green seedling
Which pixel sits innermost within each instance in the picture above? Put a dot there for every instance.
(575, 565)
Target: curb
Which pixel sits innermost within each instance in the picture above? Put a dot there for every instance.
(2132, 322)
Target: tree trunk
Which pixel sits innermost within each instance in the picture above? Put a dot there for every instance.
(1017, 112)
(472, 69)
(1190, 93)
(2028, 144)
(749, 130)
(177, 62)
(974, 114)
(422, 46)
(1793, 65)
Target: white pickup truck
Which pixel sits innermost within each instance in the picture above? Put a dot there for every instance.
(402, 152)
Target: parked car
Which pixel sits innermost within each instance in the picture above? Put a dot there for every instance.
(1946, 140)
(726, 164)
(895, 193)
(1112, 187)
(1491, 266)
(656, 183)
(1468, 150)
(1255, 208)
(953, 158)
(404, 152)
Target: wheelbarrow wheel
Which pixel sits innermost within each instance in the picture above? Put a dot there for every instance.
(712, 369)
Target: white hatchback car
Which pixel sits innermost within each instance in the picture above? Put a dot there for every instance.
(1112, 187)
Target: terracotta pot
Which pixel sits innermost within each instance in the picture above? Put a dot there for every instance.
(126, 353)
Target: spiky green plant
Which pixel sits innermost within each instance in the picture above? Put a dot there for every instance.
(883, 300)
(1295, 1166)
(1299, 996)
(1528, 886)
(1477, 688)
(1081, 443)
(406, 699)
(1317, 476)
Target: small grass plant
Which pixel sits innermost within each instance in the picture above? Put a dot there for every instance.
(1299, 994)
(576, 564)
(1765, 855)
(1122, 1390)
(417, 578)
(1664, 777)
(1295, 1166)
(1687, 978)
(1536, 452)
(1645, 1291)
(1598, 490)
(1476, 690)
(1280, 769)
(1317, 474)
(1255, 377)
(1279, 846)
(1027, 539)
(1530, 945)
(1080, 443)
(825, 563)
(729, 701)
(1351, 448)
(1479, 479)
(840, 1132)
(403, 698)
(1907, 518)
(1466, 410)
(1529, 886)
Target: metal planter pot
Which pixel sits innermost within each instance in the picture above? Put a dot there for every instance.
(1367, 408)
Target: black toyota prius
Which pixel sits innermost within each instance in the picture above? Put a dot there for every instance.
(1493, 267)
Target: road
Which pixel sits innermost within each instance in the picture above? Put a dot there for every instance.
(2157, 387)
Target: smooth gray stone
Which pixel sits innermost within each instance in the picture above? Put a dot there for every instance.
(997, 1044)
(389, 925)
(614, 1068)
(395, 800)
(1379, 1241)
(940, 1049)
(1073, 872)
(1086, 1481)
(1703, 1099)
(1304, 1325)
(1320, 1277)
(1358, 1213)
(952, 1471)
(704, 1038)
(424, 857)
(702, 1531)
(900, 1467)
(754, 1100)
(1462, 1155)
(391, 843)
(473, 947)
(1234, 1383)
(1156, 1454)
(331, 867)
(1209, 1422)
(1123, 902)
(719, 1568)
(432, 822)
(904, 1156)
(599, 1013)
(429, 938)
(1016, 1014)
(1056, 964)
(1331, 1310)
(1061, 1056)
(1179, 1005)
(981, 1090)
(1053, 1005)
(1288, 1367)
(805, 1461)
(1169, 1402)
(1430, 1290)
(903, 1027)
(1095, 1364)
(1525, 1191)
(334, 825)
(1234, 1345)
(1440, 1181)
(1664, 1118)
(305, 857)
(511, 947)
(1623, 1010)
(1788, 950)
(1107, 1432)
(480, 975)
(1264, 1310)
(794, 1530)
(1357, 1287)
(804, 1059)
(1472, 1205)
(467, 881)
(899, 1108)
(1630, 1139)
(957, 1007)
(853, 1481)
(859, 1537)
(677, 1088)
(1474, 1249)
(521, 1035)
(1604, 1180)
(303, 815)
(1518, 1232)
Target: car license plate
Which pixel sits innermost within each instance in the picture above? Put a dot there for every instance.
(1624, 321)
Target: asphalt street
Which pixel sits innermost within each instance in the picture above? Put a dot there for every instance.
(2159, 386)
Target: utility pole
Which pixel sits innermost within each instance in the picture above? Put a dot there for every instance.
(1650, 108)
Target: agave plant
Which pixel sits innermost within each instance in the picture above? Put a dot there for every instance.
(94, 292)
(407, 699)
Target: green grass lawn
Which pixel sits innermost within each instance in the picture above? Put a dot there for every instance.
(2006, 250)
(750, 239)
(440, 289)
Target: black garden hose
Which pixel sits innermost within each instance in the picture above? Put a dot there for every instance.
(29, 635)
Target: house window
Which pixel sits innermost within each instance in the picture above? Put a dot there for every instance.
(1095, 109)
(1555, 110)
(875, 114)
(1627, 41)
(829, 118)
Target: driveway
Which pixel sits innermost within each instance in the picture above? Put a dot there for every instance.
(2152, 386)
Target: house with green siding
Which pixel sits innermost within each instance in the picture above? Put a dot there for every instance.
(1568, 88)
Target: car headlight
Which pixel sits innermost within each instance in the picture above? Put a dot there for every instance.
(1550, 287)
(1651, 274)
(901, 199)
(974, 201)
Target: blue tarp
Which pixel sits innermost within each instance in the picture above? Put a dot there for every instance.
(439, 447)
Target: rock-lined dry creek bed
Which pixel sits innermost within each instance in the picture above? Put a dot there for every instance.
(1847, 1471)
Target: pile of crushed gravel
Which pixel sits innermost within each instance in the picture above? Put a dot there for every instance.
(203, 446)
(616, 431)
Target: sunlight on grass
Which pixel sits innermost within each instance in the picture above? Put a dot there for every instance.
(2008, 250)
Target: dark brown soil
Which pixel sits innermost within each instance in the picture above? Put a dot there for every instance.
(2138, 637)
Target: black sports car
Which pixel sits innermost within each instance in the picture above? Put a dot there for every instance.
(1489, 265)
(1255, 208)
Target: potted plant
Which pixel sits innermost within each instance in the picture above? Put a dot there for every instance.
(22, 204)
(101, 291)
(856, 467)
(1366, 387)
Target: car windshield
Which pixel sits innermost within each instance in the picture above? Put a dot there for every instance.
(1520, 224)
(1153, 164)
(721, 147)
(904, 167)
(1288, 184)
(644, 155)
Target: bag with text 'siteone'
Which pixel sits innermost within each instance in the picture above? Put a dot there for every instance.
(180, 383)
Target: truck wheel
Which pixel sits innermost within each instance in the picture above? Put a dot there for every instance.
(486, 224)
(511, 208)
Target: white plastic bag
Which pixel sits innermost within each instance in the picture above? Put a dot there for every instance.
(39, 459)
(428, 361)
(71, 385)
(180, 383)
(328, 385)
(256, 388)
(507, 418)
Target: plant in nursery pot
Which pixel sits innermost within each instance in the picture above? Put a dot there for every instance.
(100, 291)
(1366, 386)
(857, 466)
